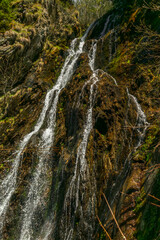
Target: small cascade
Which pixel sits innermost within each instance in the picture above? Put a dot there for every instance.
(47, 228)
(111, 45)
(141, 126)
(110, 26)
(141, 122)
(88, 30)
(115, 38)
(112, 38)
(81, 175)
(111, 77)
(105, 26)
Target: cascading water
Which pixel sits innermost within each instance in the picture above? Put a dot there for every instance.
(110, 45)
(105, 26)
(141, 123)
(110, 25)
(8, 185)
(81, 171)
(141, 126)
(34, 195)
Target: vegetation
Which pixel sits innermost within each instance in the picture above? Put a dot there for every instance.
(6, 14)
(90, 10)
(150, 220)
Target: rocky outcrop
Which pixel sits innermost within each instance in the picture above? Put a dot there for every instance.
(32, 53)
(129, 65)
(31, 58)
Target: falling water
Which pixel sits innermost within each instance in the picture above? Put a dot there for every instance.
(81, 171)
(141, 126)
(141, 122)
(34, 195)
(47, 139)
(8, 184)
(110, 45)
(105, 27)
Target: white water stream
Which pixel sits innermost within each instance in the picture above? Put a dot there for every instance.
(81, 171)
(141, 126)
(141, 122)
(35, 192)
(8, 184)
(105, 26)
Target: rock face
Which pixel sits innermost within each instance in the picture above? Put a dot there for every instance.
(31, 59)
(79, 128)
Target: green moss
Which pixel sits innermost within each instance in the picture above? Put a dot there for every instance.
(140, 204)
(1, 166)
(102, 236)
(10, 120)
(149, 228)
(146, 151)
(6, 14)
(141, 196)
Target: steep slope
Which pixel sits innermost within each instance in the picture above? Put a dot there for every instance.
(94, 134)
(133, 42)
(32, 54)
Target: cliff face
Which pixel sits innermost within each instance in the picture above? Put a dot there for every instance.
(80, 123)
(32, 54)
(135, 65)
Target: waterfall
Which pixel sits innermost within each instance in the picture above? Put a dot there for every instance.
(81, 171)
(105, 26)
(110, 45)
(82, 185)
(141, 122)
(48, 114)
(141, 126)
(34, 195)
(8, 184)
(47, 139)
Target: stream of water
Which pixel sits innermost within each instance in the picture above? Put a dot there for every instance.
(81, 171)
(8, 184)
(47, 139)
